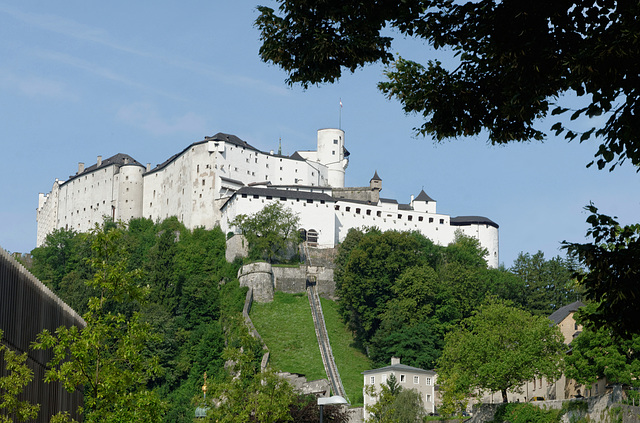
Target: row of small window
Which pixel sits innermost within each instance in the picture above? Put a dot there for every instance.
(403, 379)
(270, 197)
(379, 214)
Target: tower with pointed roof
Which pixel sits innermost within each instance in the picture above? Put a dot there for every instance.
(375, 183)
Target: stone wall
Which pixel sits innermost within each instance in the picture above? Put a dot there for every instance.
(237, 246)
(600, 409)
(259, 277)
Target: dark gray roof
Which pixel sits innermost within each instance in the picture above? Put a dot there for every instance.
(388, 200)
(423, 197)
(118, 160)
(398, 368)
(472, 220)
(376, 177)
(221, 136)
(560, 314)
(297, 156)
(405, 207)
(282, 193)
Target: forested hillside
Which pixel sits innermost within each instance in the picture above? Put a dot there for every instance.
(401, 294)
(191, 298)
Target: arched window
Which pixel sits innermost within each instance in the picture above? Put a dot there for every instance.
(303, 234)
(312, 237)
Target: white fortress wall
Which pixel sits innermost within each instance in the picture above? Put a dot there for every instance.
(359, 215)
(313, 209)
(331, 154)
(130, 193)
(485, 231)
(47, 213)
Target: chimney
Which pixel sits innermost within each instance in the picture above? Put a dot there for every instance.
(99, 163)
(411, 200)
(125, 160)
(80, 167)
(395, 360)
(148, 167)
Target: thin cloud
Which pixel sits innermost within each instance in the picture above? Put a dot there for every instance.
(145, 116)
(101, 72)
(87, 33)
(35, 86)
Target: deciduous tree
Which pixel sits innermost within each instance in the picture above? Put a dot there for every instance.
(595, 353)
(270, 232)
(107, 357)
(17, 376)
(498, 349)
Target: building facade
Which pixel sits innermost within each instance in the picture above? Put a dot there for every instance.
(212, 181)
(407, 377)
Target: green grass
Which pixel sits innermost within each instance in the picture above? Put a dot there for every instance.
(350, 361)
(287, 328)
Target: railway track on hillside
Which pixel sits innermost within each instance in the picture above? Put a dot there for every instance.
(323, 342)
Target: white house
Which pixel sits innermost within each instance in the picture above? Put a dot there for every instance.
(423, 381)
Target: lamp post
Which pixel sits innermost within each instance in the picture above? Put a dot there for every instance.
(332, 400)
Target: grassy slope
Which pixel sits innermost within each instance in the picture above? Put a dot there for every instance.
(287, 328)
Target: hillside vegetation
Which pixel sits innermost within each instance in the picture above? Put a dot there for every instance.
(286, 326)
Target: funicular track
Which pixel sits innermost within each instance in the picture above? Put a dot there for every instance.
(323, 338)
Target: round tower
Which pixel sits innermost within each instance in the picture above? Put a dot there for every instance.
(331, 153)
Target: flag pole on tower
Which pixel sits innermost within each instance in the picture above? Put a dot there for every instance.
(340, 118)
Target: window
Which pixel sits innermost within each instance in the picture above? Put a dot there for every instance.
(431, 220)
(399, 216)
(368, 212)
(333, 153)
(428, 398)
(309, 201)
(372, 380)
(428, 380)
(357, 211)
(244, 195)
(337, 207)
(420, 218)
(403, 378)
(255, 196)
(416, 379)
(203, 182)
(383, 378)
(441, 221)
(379, 213)
(409, 218)
(347, 208)
(335, 141)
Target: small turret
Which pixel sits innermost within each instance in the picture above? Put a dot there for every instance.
(375, 183)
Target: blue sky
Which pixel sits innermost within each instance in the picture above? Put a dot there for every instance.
(80, 79)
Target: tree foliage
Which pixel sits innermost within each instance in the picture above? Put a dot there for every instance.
(394, 404)
(17, 376)
(611, 280)
(190, 298)
(595, 354)
(498, 349)
(271, 232)
(549, 284)
(514, 60)
(400, 294)
(106, 358)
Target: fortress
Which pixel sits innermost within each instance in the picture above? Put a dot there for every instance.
(213, 180)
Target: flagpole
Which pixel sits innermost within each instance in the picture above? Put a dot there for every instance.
(340, 118)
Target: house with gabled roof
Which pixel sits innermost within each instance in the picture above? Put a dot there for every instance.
(407, 377)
